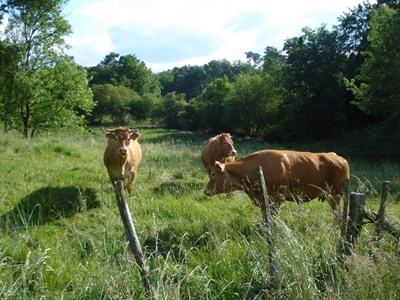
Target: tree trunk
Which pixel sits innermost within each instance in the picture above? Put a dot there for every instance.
(25, 130)
(25, 119)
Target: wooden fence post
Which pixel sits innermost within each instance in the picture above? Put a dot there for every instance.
(382, 211)
(354, 226)
(266, 212)
(133, 238)
(343, 224)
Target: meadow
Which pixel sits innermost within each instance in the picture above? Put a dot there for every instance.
(61, 235)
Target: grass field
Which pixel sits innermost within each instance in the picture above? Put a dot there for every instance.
(61, 235)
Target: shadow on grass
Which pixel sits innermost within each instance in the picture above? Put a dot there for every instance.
(175, 240)
(49, 204)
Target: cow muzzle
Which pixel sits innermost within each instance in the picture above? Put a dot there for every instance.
(233, 152)
(208, 192)
(122, 151)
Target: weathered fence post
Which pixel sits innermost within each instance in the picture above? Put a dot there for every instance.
(382, 211)
(266, 212)
(343, 224)
(133, 238)
(354, 226)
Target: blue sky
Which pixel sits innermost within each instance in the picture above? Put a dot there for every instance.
(172, 33)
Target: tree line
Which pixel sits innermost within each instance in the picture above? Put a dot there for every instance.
(321, 83)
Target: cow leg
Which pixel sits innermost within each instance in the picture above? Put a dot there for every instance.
(131, 180)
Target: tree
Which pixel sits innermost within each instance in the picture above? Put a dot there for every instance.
(8, 70)
(251, 107)
(254, 58)
(36, 31)
(62, 98)
(376, 88)
(113, 102)
(192, 80)
(171, 110)
(313, 69)
(188, 80)
(352, 33)
(273, 63)
(142, 108)
(211, 104)
(126, 70)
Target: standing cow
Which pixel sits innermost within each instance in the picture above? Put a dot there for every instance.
(289, 175)
(122, 155)
(218, 148)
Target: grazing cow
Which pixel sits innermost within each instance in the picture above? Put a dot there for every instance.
(122, 155)
(218, 148)
(289, 175)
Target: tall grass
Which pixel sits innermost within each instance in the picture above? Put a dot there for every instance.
(61, 236)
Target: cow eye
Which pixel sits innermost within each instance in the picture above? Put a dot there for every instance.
(212, 174)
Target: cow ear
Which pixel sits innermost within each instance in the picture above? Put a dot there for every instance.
(110, 135)
(134, 135)
(220, 166)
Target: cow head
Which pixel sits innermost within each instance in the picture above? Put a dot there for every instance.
(226, 144)
(122, 137)
(220, 181)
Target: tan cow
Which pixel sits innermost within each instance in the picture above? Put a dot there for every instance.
(122, 155)
(289, 175)
(218, 148)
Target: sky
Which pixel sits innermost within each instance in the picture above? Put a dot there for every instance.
(172, 33)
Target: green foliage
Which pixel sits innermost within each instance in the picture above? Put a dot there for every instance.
(187, 80)
(113, 102)
(191, 80)
(143, 108)
(211, 104)
(314, 105)
(255, 96)
(352, 31)
(8, 69)
(170, 111)
(125, 70)
(123, 88)
(62, 236)
(63, 97)
(42, 87)
(376, 87)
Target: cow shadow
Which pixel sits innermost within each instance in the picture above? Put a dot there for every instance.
(49, 204)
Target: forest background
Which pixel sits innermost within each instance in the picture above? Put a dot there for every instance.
(323, 84)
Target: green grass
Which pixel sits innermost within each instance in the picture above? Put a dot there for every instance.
(61, 236)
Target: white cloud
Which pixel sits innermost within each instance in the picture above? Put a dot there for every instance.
(90, 49)
(172, 33)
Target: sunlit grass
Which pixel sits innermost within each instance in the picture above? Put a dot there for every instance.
(61, 235)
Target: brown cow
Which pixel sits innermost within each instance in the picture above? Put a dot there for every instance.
(122, 155)
(218, 148)
(289, 175)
